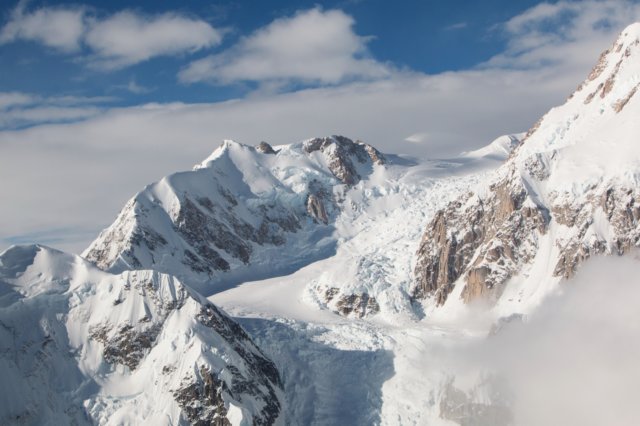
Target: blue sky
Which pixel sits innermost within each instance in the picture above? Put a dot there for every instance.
(98, 99)
(424, 36)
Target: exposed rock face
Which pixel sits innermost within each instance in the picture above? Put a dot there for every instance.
(620, 207)
(622, 102)
(484, 238)
(351, 305)
(201, 400)
(265, 148)
(487, 240)
(315, 208)
(341, 153)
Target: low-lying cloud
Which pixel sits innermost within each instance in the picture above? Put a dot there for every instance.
(574, 361)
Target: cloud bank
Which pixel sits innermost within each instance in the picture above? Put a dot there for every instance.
(574, 361)
(63, 175)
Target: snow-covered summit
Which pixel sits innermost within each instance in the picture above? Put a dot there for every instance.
(499, 149)
(592, 133)
(81, 346)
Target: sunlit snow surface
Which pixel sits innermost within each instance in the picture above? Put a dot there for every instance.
(342, 370)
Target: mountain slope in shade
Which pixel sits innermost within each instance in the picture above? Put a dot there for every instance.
(245, 212)
(82, 346)
(569, 191)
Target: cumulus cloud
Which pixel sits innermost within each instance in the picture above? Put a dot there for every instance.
(59, 28)
(313, 46)
(128, 38)
(115, 41)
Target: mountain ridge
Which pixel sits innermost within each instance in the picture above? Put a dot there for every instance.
(134, 347)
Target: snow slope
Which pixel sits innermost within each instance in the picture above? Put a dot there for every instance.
(82, 346)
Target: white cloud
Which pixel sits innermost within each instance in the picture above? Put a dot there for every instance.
(59, 28)
(313, 46)
(563, 34)
(45, 114)
(575, 362)
(457, 111)
(127, 38)
(417, 138)
(67, 162)
(136, 88)
(13, 99)
(116, 41)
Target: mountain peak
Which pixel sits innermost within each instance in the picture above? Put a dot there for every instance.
(614, 76)
(631, 31)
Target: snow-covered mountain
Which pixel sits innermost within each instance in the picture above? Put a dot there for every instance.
(245, 212)
(569, 191)
(286, 237)
(250, 213)
(83, 346)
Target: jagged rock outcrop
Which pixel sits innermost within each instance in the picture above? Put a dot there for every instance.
(82, 346)
(566, 193)
(619, 206)
(345, 302)
(355, 305)
(265, 148)
(316, 209)
(341, 153)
